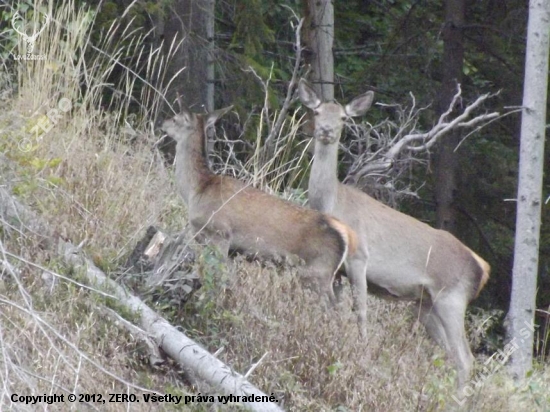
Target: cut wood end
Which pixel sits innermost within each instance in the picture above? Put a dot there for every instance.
(154, 246)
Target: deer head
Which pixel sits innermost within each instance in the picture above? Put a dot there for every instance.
(30, 39)
(331, 116)
(182, 125)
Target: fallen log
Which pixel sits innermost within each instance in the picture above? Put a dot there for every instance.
(190, 355)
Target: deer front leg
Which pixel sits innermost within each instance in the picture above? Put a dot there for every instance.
(356, 269)
(215, 235)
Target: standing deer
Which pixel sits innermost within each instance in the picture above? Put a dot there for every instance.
(235, 215)
(397, 255)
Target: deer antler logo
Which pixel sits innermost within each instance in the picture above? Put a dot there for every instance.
(30, 39)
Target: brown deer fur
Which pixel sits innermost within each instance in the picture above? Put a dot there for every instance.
(234, 215)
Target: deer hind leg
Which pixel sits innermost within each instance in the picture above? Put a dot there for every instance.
(338, 286)
(357, 274)
(427, 316)
(450, 309)
(318, 275)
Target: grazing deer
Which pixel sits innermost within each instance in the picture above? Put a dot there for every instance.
(235, 215)
(397, 255)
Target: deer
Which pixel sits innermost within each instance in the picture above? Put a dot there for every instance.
(397, 255)
(233, 215)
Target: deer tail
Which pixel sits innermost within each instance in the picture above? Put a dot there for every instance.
(483, 277)
(348, 236)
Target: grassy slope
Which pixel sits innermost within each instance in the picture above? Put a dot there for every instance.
(96, 185)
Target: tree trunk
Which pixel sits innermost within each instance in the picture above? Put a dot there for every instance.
(446, 163)
(319, 37)
(210, 72)
(191, 20)
(526, 252)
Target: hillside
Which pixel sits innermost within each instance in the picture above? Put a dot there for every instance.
(92, 172)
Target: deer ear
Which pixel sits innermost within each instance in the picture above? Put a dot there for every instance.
(216, 114)
(307, 95)
(182, 106)
(360, 105)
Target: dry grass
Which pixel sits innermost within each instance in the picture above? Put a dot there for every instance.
(58, 341)
(82, 172)
(96, 182)
(96, 179)
(315, 361)
(315, 358)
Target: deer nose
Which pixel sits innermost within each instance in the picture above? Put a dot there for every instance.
(324, 132)
(325, 138)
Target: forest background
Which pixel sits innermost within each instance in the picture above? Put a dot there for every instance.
(395, 48)
(122, 63)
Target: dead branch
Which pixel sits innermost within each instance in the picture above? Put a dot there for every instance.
(48, 330)
(383, 160)
(275, 128)
(155, 355)
(176, 344)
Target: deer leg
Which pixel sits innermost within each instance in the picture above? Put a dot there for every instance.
(318, 275)
(215, 236)
(338, 286)
(223, 244)
(427, 316)
(450, 310)
(356, 269)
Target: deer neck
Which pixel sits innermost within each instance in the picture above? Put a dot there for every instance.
(323, 179)
(192, 170)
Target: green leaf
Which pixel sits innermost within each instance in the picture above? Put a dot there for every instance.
(335, 367)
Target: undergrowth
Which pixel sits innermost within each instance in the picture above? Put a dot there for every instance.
(95, 176)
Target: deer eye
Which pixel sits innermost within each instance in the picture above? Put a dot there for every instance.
(316, 112)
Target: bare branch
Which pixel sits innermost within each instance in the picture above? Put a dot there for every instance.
(406, 138)
(255, 365)
(289, 93)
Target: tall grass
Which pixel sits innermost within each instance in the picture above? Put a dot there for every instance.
(97, 179)
(83, 169)
(285, 168)
(88, 167)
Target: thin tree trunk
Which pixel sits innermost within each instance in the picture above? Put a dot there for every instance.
(531, 160)
(446, 163)
(191, 20)
(210, 71)
(319, 38)
(209, 20)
